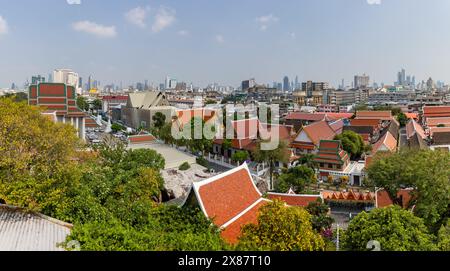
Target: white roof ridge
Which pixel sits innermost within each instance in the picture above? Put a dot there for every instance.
(236, 217)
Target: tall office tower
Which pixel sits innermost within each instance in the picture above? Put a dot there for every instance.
(50, 78)
(343, 84)
(279, 86)
(413, 81)
(361, 81)
(399, 79)
(297, 84)
(309, 87)
(80, 82)
(408, 80)
(286, 86)
(403, 77)
(68, 77)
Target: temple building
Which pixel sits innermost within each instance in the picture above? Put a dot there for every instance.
(59, 100)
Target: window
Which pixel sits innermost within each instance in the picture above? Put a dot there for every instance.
(330, 165)
(322, 165)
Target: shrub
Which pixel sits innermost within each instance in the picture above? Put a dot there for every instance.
(184, 166)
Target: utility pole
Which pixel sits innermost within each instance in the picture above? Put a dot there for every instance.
(337, 238)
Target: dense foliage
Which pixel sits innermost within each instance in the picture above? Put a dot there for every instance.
(427, 171)
(352, 143)
(295, 178)
(395, 230)
(281, 228)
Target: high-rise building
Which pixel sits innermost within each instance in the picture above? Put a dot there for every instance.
(361, 81)
(309, 87)
(286, 85)
(297, 83)
(170, 84)
(68, 77)
(248, 84)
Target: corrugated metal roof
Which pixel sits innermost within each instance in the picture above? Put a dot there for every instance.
(21, 231)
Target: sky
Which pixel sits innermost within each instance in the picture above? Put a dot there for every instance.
(224, 41)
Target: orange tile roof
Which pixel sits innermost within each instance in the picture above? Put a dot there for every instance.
(294, 199)
(270, 131)
(434, 122)
(306, 116)
(382, 115)
(388, 140)
(347, 196)
(185, 116)
(436, 111)
(227, 195)
(365, 122)
(247, 128)
(412, 127)
(412, 116)
(233, 231)
(384, 200)
(434, 130)
(338, 116)
(319, 131)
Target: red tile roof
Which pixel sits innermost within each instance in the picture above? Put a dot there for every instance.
(270, 131)
(434, 130)
(387, 142)
(412, 127)
(348, 196)
(142, 137)
(331, 151)
(227, 195)
(384, 200)
(294, 199)
(306, 116)
(185, 116)
(319, 131)
(337, 126)
(365, 122)
(247, 128)
(436, 111)
(412, 116)
(338, 116)
(381, 115)
(233, 231)
(434, 122)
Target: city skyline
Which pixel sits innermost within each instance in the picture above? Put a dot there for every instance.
(205, 42)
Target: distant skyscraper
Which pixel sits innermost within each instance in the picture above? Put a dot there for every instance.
(248, 84)
(37, 79)
(297, 83)
(50, 78)
(286, 86)
(67, 77)
(361, 81)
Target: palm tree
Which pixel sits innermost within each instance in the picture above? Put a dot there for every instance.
(279, 154)
(308, 160)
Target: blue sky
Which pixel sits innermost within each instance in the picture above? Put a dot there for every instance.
(224, 41)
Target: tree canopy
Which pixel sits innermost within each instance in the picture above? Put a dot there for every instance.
(394, 228)
(296, 178)
(352, 143)
(281, 228)
(426, 171)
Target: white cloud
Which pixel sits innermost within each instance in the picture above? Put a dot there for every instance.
(74, 2)
(183, 33)
(3, 26)
(374, 2)
(265, 21)
(137, 16)
(163, 19)
(220, 39)
(95, 29)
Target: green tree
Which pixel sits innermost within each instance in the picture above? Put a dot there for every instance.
(271, 156)
(240, 156)
(281, 228)
(97, 104)
(425, 170)
(352, 143)
(159, 119)
(296, 178)
(444, 237)
(308, 160)
(320, 219)
(196, 135)
(115, 127)
(37, 157)
(395, 229)
(402, 119)
(82, 103)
